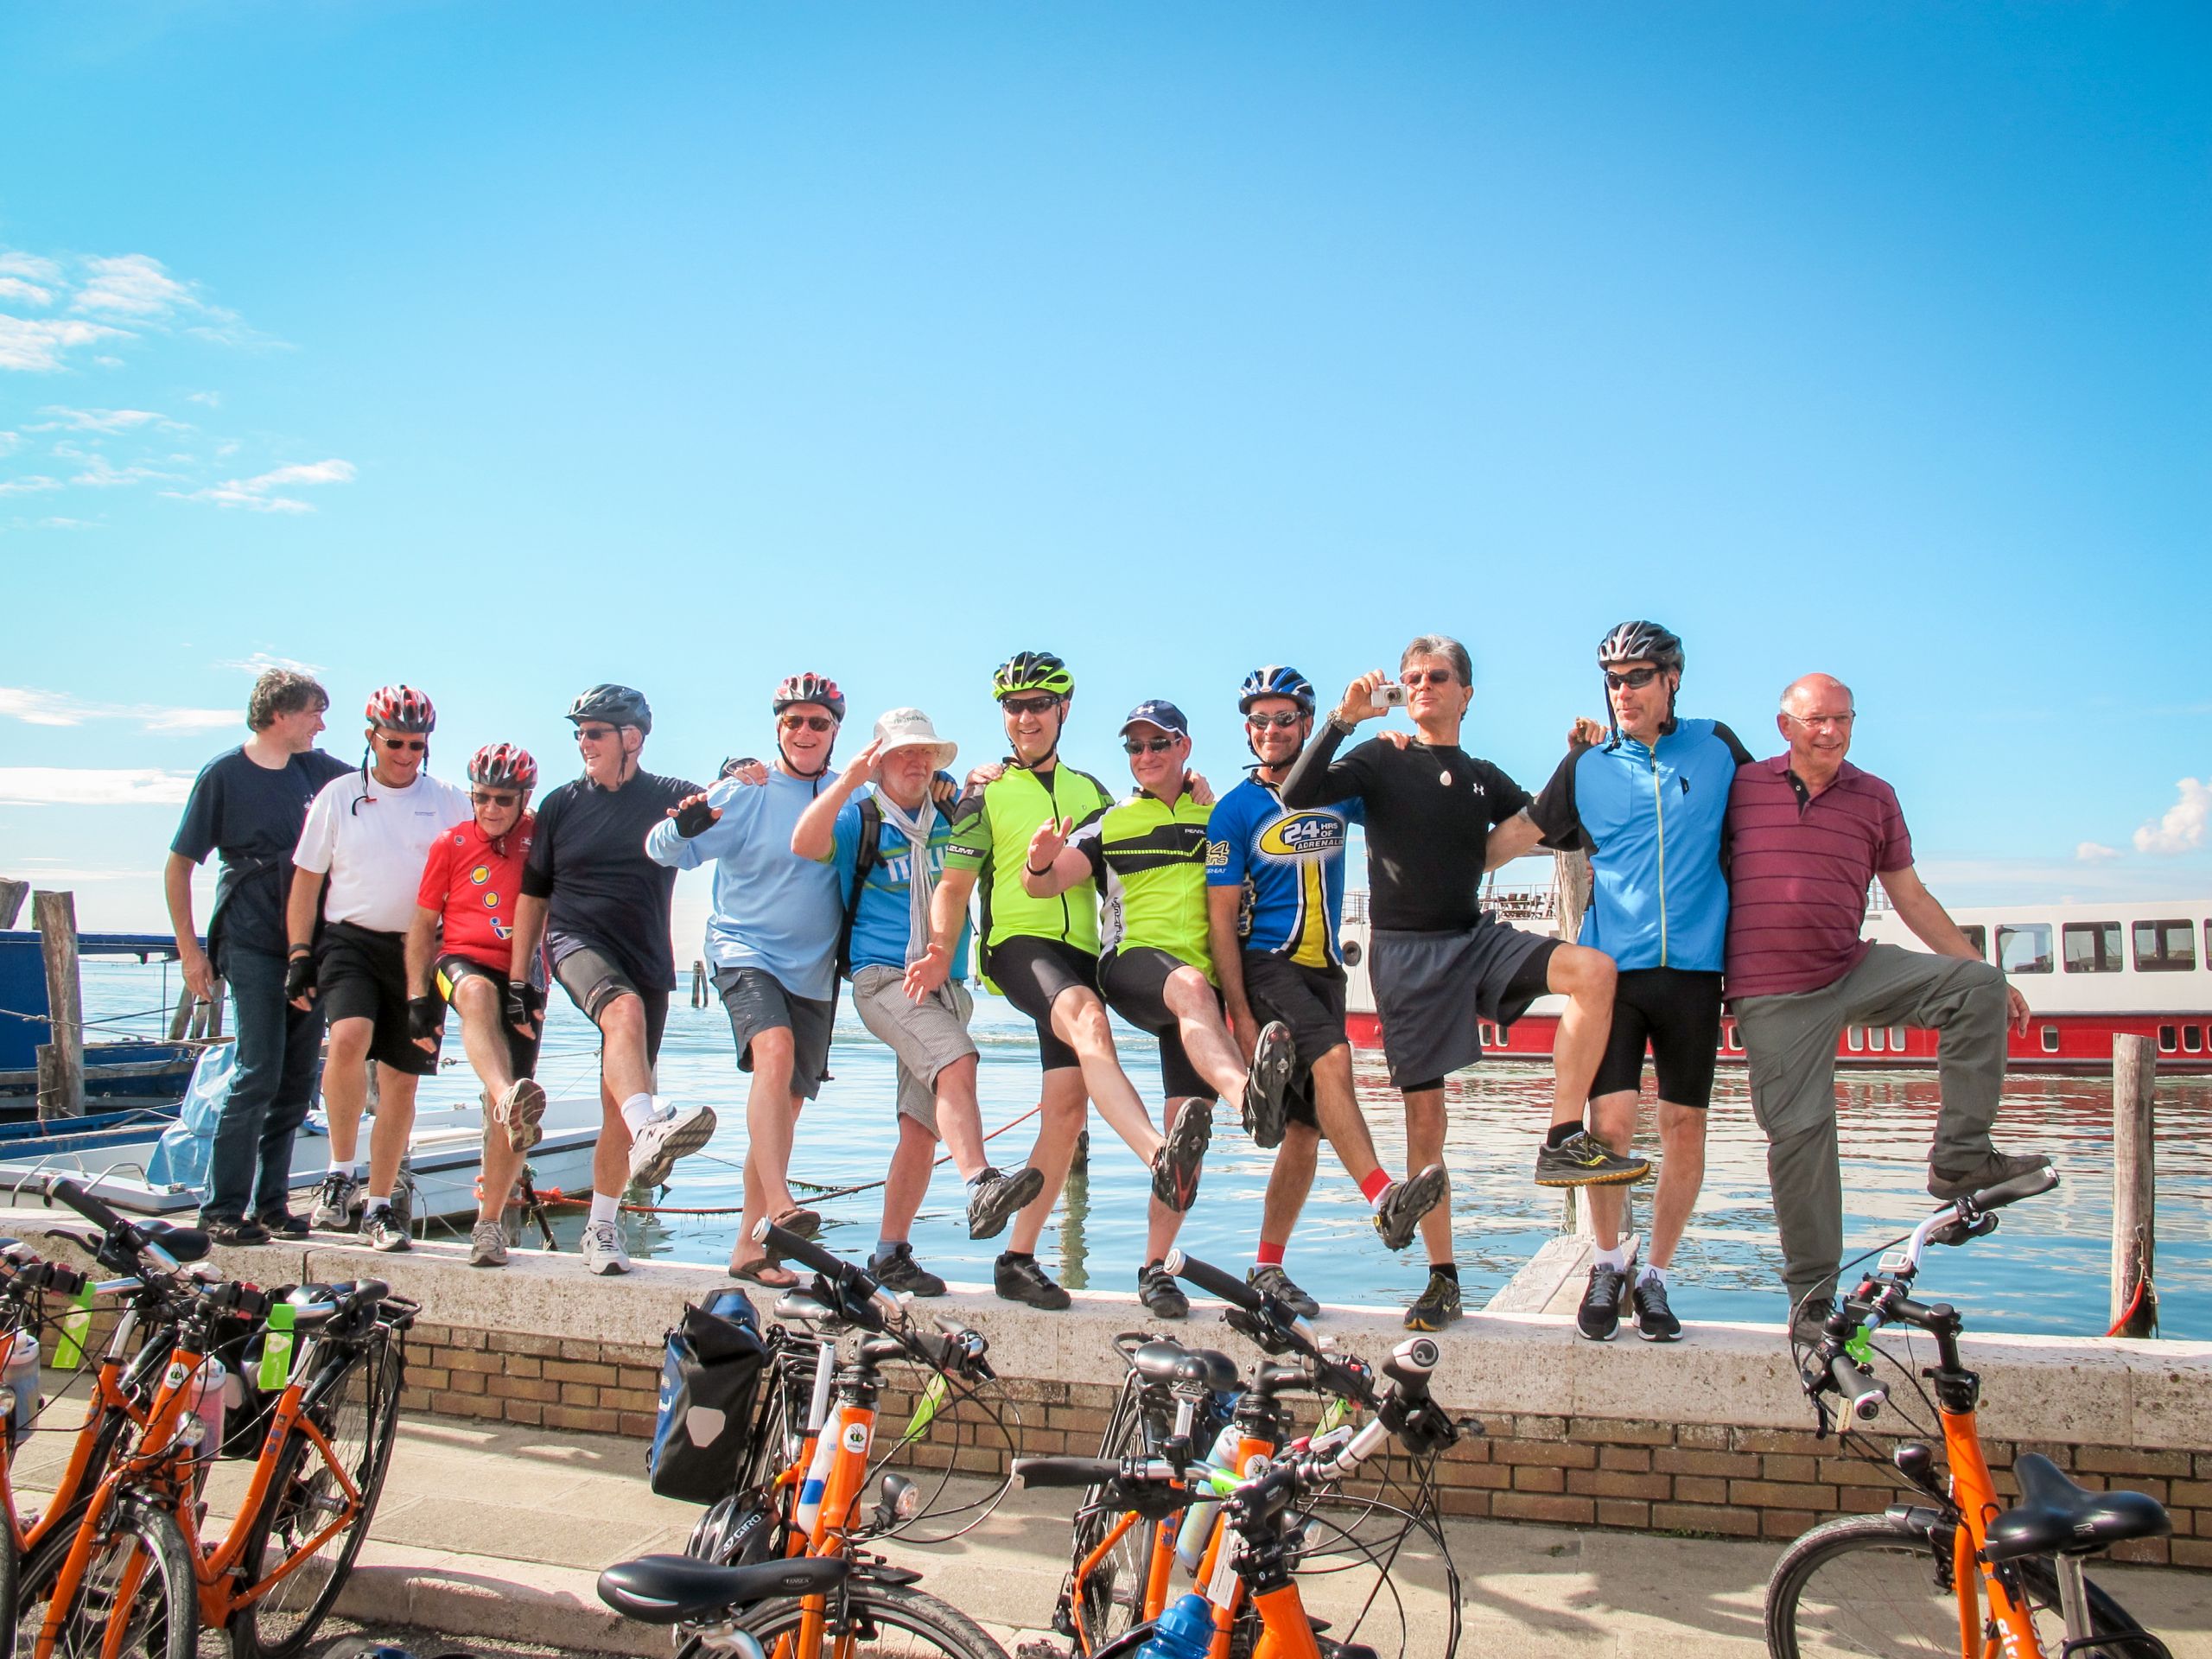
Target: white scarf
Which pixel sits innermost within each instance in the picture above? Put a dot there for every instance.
(916, 829)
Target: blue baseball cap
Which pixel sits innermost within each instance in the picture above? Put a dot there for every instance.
(1157, 711)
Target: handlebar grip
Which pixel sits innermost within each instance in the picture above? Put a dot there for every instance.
(96, 1210)
(1065, 1471)
(1862, 1393)
(781, 1242)
(2025, 1185)
(1410, 1364)
(1213, 1281)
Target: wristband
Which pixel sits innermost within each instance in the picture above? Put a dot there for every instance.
(300, 951)
(1047, 870)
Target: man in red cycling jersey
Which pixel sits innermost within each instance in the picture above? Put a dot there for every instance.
(461, 951)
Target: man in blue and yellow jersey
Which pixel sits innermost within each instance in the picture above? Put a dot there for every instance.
(1275, 898)
(1148, 857)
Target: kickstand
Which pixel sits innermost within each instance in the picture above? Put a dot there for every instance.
(533, 1209)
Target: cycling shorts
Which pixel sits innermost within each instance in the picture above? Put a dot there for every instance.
(360, 974)
(451, 970)
(593, 980)
(1677, 1013)
(1311, 1002)
(1033, 973)
(1134, 981)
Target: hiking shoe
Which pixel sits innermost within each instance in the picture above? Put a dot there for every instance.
(1272, 1280)
(1655, 1320)
(1437, 1306)
(233, 1230)
(1586, 1161)
(674, 1132)
(1997, 1167)
(1808, 1321)
(487, 1244)
(1175, 1166)
(1397, 1218)
(283, 1223)
(899, 1271)
(603, 1248)
(995, 1199)
(337, 1203)
(1028, 1283)
(385, 1228)
(1272, 1057)
(1162, 1297)
(1599, 1316)
(519, 1111)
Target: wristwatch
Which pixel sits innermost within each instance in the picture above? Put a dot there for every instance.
(1341, 723)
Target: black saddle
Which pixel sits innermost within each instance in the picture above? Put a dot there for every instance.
(1169, 1365)
(2056, 1517)
(183, 1244)
(665, 1589)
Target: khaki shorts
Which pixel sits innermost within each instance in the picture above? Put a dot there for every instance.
(925, 1036)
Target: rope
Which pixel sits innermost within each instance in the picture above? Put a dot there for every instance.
(2134, 1306)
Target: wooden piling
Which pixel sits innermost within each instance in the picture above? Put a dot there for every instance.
(2134, 1185)
(698, 984)
(61, 1079)
(12, 894)
(1572, 872)
(180, 1021)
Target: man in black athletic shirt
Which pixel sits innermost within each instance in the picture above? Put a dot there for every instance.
(1438, 963)
(601, 908)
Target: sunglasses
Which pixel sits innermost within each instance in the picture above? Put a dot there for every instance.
(492, 798)
(1635, 678)
(1427, 677)
(1148, 745)
(812, 723)
(415, 743)
(595, 734)
(1043, 705)
(1288, 718)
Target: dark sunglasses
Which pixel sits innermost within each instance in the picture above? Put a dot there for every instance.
(812, 723)
(1635, 678)
(1030, 705)
(1427, 677)
(1286, 719)
(1148, 745)
(595, 734)
(492, 798)
(415, 743)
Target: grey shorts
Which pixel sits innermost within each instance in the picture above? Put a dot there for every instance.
(925, 1036)
(1430, 989)
(757, 1001)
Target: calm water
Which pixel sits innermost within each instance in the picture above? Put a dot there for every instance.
(2045, 1271)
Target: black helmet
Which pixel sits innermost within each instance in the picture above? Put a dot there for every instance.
(618, 705)
(1640, 642)
(1275, 681)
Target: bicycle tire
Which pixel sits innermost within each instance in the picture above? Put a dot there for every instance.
(163, 1619)
(1113, 1596)
(893, 1621)
(358, 1412)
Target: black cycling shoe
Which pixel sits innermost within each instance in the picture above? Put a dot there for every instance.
(899, 1271)
(1404, 1202)
(1162, 1297)
(1272, 1280)
(1175, 1167)
(1948, 1186)
(1273, 1057)
(1654, 1319)
(995, 1199)
(1025, 1282)
(1586, 1161)
(1599, 1316)
(233, 1230)
(1437, 1306)
(283, 1223)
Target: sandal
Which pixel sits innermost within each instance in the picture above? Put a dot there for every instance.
(767, 1273)
(804, 1223)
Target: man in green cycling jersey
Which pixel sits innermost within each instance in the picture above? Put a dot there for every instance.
(1148, 857)
(1042, 955)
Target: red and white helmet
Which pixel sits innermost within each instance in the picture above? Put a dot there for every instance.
(810, 688)
(401, 708)
(497, 765)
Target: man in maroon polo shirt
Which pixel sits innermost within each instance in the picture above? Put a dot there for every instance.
(1809, 830)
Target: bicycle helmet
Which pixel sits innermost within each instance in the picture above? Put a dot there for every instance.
(1032, 670)
(1640, 642)
(401, 708)
(1275, 681)
(809, 688)
(497, 765)
(618, 705)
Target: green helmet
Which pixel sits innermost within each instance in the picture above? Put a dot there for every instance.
(1032, 670)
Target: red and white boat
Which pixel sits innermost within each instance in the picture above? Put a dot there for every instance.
(2088, 971)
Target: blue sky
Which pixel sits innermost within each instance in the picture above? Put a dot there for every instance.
(505, 349)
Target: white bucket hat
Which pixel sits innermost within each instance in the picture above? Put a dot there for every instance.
(904, 728)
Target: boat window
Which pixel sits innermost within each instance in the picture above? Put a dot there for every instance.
(2166, 1039)
(1735, 1038)
(2192, 1040)
(1854, 1038)
(1978, 937)
(1897, 1040)
(2050, 1040)
(2164, 947)
(2091, 947)
(2024, 948)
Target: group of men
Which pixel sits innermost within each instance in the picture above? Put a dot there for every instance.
(1212, 925)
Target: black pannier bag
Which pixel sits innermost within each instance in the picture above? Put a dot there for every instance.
(709, 1389)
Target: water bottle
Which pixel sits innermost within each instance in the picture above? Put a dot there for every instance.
(1197, 1520)
(1184, 1631)
(20, 1375)
(206, 1398)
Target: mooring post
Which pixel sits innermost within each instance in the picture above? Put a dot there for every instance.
(12, 894)
(60, 1077)
(2134, 1185)
(180, 1021)
(698, 983)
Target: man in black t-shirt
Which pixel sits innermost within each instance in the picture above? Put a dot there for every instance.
(600, 908)
(1439, 963)
(248, 804)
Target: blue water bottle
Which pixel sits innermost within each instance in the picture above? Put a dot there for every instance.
(1184, 1631)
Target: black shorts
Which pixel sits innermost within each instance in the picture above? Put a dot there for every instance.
(1678, 1013)
(593, 980)
(757, 1001)
(1432, 989)
(360, 974)
(1032, 974)
(1133, 982)
(1311, 1001)
(522, 1051)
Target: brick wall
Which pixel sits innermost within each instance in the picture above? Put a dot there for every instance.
(589, 1388)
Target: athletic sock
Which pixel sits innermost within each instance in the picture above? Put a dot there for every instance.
(1561, 1134)
(638, 1111)
(1269, 1256)
(376, 1203)
(1449, 1269)
(605, 1207)
(349, 1167)
(1374, 1186)
(1650, 1274)
(1616, 1258)
(885, 1247)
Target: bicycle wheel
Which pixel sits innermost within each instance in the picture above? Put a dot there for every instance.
(1112, 1595)
(357, 1414)
(869, 1621)
(138, 1598)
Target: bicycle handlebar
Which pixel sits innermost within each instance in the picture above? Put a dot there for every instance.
(1215, 1281)
(97, 1211)
(958, 1349)
(1863, 1396)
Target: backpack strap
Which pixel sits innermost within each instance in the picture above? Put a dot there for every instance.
(864, 859)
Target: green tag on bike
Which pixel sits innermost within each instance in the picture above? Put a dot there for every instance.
(935, 1393)
(276, 1349)
(1334, 1413)
(1860, 1348)
(76, 1324)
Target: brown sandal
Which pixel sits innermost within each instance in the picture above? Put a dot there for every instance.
(767, 1273)
(804, 1223)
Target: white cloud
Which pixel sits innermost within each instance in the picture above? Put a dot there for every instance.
(29, 265)
(212, 399)
(2180, 828)
(36, 344)
(261, 662)
(36, 707)
(91, 786)
(2092, 851)
(100, 474)
(64, 419)
(259, 494)
(39, 708)
(28, 486)
(189, 720)
(67, 524)
(10, 441)
(135, 284)
(15, 288)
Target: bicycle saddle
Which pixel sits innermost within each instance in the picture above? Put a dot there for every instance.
(664, 1589)
(2056, 1517)
(1155, 1362)
(185, 1243)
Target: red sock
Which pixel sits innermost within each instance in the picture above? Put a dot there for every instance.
(1271, 1255)
(1371, 1188)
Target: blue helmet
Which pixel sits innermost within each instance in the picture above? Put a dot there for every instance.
(1275, 681)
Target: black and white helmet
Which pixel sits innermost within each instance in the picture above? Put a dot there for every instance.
(1640, 642)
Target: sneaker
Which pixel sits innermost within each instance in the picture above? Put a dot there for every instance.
(1264, 1083)
(1997, 1167)
(1808, 1321)
(283, 1223)
(1404, 1202)
(233, 1230)
(603, 1248)
(1655, 1320)
(1436, 1307)
(487, 1244)
(1599, 1316)
(1162, 1297)
(675, 1132)
(899, 1271)
(385, 1228)
(1586, 1161)
(337, 1203)
(995, 1199)
(1028, 1283)
(519, 1111)
(1175, 1167)
(1272, 1280)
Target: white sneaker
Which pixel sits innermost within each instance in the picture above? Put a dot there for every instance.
(385, 1228)
(603, 1249)
(487, 1244)
(519, 1111)
(337, 1203)
(674, 1132)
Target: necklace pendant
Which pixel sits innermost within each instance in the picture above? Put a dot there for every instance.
(1445, 779)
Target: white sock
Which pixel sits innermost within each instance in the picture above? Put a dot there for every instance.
(638, 1111)
(604, 1208)
(376, 1203)
(349, 1167)
(1616, 1258)
(1650, 1273)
